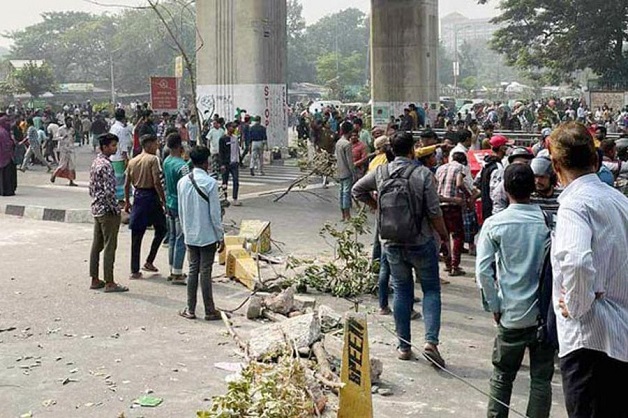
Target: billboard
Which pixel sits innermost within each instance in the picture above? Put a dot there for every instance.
(164, 94)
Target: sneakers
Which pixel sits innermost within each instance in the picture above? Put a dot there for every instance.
(236, 203)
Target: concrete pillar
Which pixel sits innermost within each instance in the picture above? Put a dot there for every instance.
(242, 60)
(404, 56)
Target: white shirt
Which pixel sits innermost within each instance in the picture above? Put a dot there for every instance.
(213, 138)
(52, 130)
(125, 140)
(588, 257)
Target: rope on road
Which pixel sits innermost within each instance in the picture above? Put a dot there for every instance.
(449, 372)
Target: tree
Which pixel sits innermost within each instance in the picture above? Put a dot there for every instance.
(300, 68)
(34, 79)
(556, 38)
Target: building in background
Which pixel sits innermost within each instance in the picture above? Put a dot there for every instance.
(457, 28)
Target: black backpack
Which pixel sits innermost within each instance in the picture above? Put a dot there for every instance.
(399, 218)
(546, 321)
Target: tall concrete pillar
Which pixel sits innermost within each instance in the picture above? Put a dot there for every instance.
(242, 60)
(404, 56)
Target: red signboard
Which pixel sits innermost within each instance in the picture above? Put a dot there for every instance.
(163, 94)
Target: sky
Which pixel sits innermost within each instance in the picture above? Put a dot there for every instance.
(20, 14)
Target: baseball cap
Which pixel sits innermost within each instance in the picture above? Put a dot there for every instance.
(541, 166)
(545, 132)
(381, 141)
(499, 141)
(520, 152)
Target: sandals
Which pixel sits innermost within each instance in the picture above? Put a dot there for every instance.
(97, 285)
(116, 288)
(433, 356)
(187, 314)
(150, 267)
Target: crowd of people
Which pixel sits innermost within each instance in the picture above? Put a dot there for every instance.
(426, 197)
(553, 204)
(170, 173)
(32, 137)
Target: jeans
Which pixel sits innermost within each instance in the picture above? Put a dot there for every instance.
(424, 259)
(234, 170)
(106, 230)
(201, 261)
(257, 156)
(176, 244)
(345, 193)
(592, 383)
(508, 350)
(383, 281)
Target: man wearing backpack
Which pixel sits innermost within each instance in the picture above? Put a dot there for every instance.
(408, 213)
(518, 236)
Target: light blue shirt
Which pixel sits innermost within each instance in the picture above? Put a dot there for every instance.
(516, 238)
(201, 222)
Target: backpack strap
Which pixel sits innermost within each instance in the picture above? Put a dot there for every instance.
(198, 189)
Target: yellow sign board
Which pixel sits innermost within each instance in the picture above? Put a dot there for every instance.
(355, 396)
(256, 231)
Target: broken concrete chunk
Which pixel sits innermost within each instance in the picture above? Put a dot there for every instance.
(282, 303)
(302, 302)
(328, 318)
(377, 368)
(254, 307)
(273, 339)
(333, 346)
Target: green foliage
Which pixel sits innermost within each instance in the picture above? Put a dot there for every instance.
(79, 47)
(332, 51)
(351, 272)
(265, 391)
(556, 38)
(34, 79)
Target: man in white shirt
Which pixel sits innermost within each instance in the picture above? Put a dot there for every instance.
(590, 280)
(121, 130)
(213, 141)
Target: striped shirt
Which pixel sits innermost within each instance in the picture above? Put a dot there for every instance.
(589, 258)
(548, 204)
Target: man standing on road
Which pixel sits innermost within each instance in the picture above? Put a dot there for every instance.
(99, 127)
(175, 168)
(230, 161)
(259, 141)
(34, 147)
(121, 158)
(193, 130)
(149, 201)
(417, 249)
(106, 212)
(363, 134)
(213, 141)
(345, 169)
(590, 280)
(8, 170)
(451, 191)
(201, 222)
(518, 236)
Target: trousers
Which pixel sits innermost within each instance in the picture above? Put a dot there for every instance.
(106, 230)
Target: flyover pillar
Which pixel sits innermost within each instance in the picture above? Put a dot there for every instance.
(241, 61)
(404, 56)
